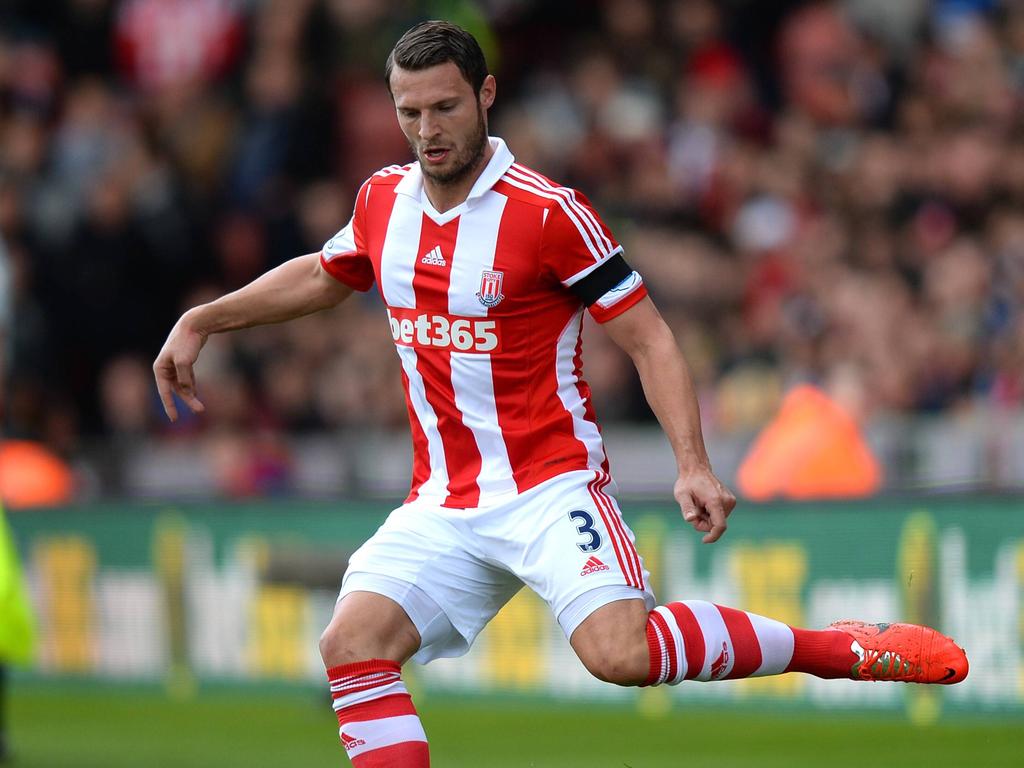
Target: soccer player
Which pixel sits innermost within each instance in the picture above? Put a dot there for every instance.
(485, 268)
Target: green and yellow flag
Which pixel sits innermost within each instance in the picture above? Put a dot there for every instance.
(17, 631)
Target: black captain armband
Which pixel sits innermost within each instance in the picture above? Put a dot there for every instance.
(605, 277)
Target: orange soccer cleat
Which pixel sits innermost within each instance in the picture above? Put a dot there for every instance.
(909, 653)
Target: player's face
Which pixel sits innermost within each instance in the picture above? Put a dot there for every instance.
(444, 121)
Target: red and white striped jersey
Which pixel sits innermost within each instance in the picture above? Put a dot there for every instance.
(484, 321)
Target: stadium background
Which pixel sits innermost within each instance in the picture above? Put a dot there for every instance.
(825, 193)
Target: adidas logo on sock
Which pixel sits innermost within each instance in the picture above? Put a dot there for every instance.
(720, 663)
(434, 257)
(593, 566)
(351, 742)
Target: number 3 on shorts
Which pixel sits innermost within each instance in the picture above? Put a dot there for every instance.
(585, 525)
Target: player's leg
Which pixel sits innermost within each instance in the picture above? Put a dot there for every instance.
(367, 624)
(606, 643)
(417, 589)
(363, 648)
(585, 565)
(623, 643)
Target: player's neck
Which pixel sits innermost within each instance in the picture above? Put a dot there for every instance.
(444, 197)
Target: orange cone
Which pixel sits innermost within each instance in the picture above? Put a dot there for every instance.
(813, 449)
(32, 476)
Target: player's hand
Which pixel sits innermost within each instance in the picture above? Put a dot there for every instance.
(173, 368)
(704, 502)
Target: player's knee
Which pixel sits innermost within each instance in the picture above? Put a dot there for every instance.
(619, 666)
(333, 647)
(612, 643)
(348, 640)
(619, 669)
(341, 643)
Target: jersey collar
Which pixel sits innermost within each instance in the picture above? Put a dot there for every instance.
(502, 159)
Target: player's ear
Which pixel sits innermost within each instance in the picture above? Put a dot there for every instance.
(487, 92)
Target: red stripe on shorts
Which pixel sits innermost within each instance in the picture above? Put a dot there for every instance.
(591, 486)
(632, 557)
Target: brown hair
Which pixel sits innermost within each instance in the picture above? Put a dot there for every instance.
(435, 42)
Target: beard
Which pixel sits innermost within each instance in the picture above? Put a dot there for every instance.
(466, 161)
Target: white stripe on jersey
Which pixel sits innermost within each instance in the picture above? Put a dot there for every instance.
(437, 484)
(398, 255)
(532, 188)
(472, 380)
(570, 195)
(474, 252)
(585, 431)
(473, 385)
(377, 734)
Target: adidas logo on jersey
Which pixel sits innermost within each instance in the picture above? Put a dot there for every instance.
(351, 742)
(434, 257)
(593, 566)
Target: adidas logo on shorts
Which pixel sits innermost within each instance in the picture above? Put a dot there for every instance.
(434, 257)
(593, 566)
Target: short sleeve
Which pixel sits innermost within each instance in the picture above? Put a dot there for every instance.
(577, 246)
(345, 257)
(575, 240)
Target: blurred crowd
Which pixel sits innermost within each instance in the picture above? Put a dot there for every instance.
(823, 192)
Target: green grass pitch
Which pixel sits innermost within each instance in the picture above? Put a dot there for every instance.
(75, 727)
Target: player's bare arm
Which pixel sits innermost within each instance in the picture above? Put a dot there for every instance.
(643, 334)
(296, 288)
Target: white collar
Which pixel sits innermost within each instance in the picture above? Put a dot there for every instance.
(502, 159)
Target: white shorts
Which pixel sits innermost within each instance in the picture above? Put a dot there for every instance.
(453, 569)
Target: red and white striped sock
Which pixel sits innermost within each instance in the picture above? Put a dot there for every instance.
(697, 640)
(378, 724)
